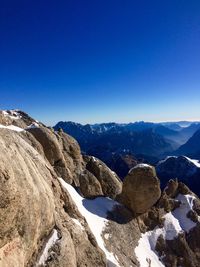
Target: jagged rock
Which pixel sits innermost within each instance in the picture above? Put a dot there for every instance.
(16, 117)
(167, 202)
(178, 252)
(90, 187)
(141, 188)
(171, 188)
(196, 206)
(4, 120)
(183, 189)
(110, 183)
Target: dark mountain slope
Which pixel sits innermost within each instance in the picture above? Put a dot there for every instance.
(192, 146)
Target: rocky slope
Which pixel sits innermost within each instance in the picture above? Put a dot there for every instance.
(60, 208)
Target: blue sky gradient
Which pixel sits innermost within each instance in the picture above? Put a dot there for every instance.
(100, 61)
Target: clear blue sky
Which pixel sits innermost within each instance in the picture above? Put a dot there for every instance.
(96, 61)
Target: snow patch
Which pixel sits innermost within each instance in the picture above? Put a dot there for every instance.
(95, 212)
(168, 157)
(52, 240)
(33, 125)
(140, 165)
(78, 223)
(194, 161)
(12, 114)
(106, 236)
(12, 127)
(181, 212)
(94, 159)
(175, 222)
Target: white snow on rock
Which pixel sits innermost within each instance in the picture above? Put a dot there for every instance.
(33, 125)
(168, 157)
(106, 236)
(194, 161)
(175, 223)
(181, 212)
(12, 127)
(140, 165)
(13, 114)
(78, 223)
(95, 212)
(94, 159)
(52, 240)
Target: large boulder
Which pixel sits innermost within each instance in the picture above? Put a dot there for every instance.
(141, 188)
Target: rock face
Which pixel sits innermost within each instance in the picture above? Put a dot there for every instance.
(62, 152)
(90, 187)
(110, 183)
(141, 188)
(31, 208)
(24, 184)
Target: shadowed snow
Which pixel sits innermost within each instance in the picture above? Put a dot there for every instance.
(52, 240)
(95, 212)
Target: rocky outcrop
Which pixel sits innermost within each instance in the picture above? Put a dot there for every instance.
(62, 151)
(92, 176)
(17, 118)
(90, 187)
(33, 206)
(25, 184)
(110, 183)
(141, 188)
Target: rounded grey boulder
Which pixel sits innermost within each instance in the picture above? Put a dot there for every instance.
(141, 188)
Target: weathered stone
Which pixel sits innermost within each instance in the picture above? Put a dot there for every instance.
(110, 183)
(141, 188)
(27, 201)
(32, 205)
(171, 188)
(90, 187)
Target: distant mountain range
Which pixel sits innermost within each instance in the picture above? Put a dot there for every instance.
(120, 145)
